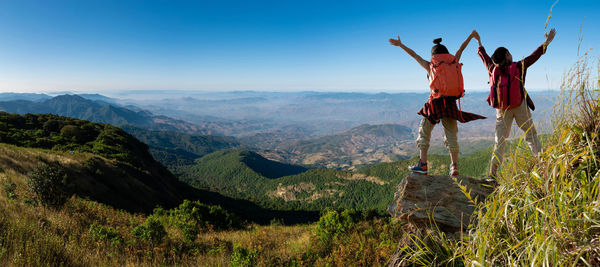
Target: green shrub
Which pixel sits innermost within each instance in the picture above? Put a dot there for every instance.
(50, 185)
(365, 243)
(192, 216)
(243, 257)
(9, 189)
(332, 224)
(152, 230)
(99, 232)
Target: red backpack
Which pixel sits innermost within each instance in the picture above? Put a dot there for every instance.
(505, 91)
(445, 78)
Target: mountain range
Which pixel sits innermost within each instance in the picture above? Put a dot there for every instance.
(332, 130)
(98, 111)
(242, 113)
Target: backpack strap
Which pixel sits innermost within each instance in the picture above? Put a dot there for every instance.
(497, 90)
(430, 101)
(460, 111)
(508, 88)
(440, 63)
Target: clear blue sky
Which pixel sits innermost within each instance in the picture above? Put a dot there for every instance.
(220, 45)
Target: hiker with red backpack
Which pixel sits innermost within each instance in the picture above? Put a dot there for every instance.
(509, 97)
(446, 86)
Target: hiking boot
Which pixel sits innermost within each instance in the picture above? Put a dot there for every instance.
(454, 169)
(420, 168)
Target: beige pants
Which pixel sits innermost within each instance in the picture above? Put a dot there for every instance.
(450, 130)
(504, 119)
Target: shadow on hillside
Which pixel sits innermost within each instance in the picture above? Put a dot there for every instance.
(141, 192)
(250, 211)
(269, 168)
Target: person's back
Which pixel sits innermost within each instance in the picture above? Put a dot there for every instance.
(509, 97)
(446, 85)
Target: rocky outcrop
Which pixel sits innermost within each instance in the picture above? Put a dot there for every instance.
(425, 199)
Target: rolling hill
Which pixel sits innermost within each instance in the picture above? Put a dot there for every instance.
(98, 111)
(175, 148)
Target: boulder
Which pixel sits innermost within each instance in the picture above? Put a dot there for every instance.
(426, 199)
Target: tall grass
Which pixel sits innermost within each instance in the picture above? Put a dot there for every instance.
(546, 209)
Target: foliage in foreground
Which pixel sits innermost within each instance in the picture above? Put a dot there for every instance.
(86, 233)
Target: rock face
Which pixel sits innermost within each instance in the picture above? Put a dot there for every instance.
(423, 199)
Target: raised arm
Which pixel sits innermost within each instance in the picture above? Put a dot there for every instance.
(463, 46)
(419, 59)
(487, 61)
(529, 60)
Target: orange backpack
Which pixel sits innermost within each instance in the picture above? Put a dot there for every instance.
(445, 77)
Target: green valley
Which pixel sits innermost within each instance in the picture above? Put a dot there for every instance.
(247, 175)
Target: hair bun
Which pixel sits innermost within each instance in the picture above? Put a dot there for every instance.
(437, 41)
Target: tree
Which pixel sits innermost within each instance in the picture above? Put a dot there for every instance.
(50, 185)
(51, 125)
(71, 132)
(152, 230)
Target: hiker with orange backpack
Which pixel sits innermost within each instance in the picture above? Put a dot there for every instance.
(446, 86)
(509, 97)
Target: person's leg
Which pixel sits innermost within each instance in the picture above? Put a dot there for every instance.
(423, 155)
(423, 144)
(524, 121)
(503, 123)
(450, 138)
(451, 142)
(425, 129)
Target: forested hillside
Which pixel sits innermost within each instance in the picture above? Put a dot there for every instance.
(176, 148)
(247, 175)
(102, 161)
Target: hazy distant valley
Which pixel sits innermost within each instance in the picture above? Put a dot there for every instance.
(334, 130)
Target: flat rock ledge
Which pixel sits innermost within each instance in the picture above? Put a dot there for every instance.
(427, 199)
